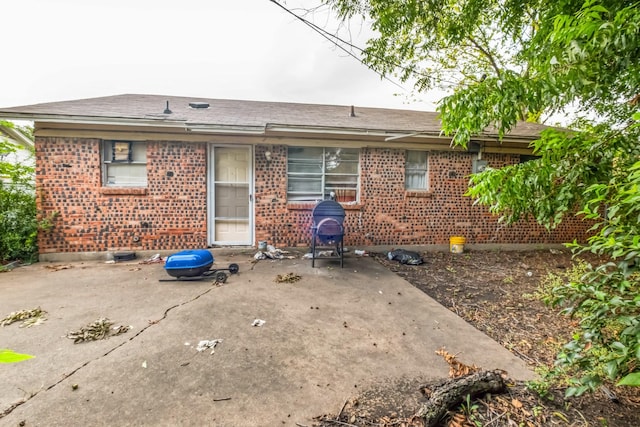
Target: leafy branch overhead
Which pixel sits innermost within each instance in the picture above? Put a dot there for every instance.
(508, 61)
(505, 60)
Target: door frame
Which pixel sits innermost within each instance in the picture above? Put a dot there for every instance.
(211, 195)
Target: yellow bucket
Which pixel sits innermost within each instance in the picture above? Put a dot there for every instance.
(456, 244)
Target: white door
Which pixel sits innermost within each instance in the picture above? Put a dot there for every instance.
(230, 201)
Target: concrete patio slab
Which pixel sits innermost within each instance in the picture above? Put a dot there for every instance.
(326, 336)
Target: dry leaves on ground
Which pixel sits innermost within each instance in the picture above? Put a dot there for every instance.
(287, 278)
(59, 267)
(29, 318)
(98, 330)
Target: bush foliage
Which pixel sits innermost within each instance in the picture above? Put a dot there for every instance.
(18, 215)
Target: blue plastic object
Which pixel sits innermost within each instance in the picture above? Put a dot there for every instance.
(189, 263)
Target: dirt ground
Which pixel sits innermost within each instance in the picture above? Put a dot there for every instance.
(493, 291)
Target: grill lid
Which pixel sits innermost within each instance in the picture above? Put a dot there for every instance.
(189, 259)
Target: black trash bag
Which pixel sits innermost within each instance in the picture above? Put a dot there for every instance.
(405, 257)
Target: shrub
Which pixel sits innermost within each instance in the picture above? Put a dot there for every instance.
(18, 216)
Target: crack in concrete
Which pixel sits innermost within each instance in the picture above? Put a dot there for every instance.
(15, 405)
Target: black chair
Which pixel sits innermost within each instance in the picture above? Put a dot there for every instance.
(327, 231)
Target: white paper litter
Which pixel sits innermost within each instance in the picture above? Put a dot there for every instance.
(319, 254)
(206, 344)
(258, 322)
(272, 253)
(152, 260)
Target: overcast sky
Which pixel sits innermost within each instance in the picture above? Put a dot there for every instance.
(58, 50)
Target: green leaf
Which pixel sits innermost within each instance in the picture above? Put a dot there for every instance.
(8, 356)
(632, 379)
(611, 369)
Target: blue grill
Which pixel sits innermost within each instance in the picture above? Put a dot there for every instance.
(327, 231)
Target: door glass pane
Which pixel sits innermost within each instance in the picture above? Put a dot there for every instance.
(231, 205)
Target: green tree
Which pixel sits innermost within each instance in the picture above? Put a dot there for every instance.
(18, 221)
(505, 61)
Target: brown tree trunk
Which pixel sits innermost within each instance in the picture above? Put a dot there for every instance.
(453, 392)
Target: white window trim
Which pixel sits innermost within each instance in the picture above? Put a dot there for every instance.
(427, 185)
(323, 175)
(106, 149)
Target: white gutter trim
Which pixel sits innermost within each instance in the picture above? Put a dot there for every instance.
(92, 120)
(407, 135)
(340, 131)
(17, 136)
(204, 128)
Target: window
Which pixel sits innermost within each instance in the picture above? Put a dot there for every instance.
(125, 164)
(416, 176)
(315, 172)
(527, 158)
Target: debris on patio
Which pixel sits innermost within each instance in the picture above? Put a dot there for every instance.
(361, 252)
(206, 344)
(58, 267)
(10, 266)
(319, 254)
(287, 278)
(456, 368)
(29, 318)
(273, 253)
(447, 395)
(155, 259)
(124, 256)
(98, 330)
(405, 257)
(258, 322)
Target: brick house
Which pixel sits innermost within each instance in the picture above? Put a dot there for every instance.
(146, 172)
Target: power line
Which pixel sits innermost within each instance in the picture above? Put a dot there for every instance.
(332, 38)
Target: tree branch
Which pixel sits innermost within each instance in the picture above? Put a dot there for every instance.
(451, 393)
(486, 53)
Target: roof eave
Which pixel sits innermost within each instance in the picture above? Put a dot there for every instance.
(213, 128)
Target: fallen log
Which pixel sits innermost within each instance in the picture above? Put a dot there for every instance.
(453, 392)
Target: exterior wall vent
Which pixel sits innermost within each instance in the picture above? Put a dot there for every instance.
(199, 104)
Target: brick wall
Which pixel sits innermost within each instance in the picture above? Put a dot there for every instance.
(389, 215)
(169, 214)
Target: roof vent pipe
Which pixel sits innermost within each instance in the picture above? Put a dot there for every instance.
(167, 110)
(353, 112)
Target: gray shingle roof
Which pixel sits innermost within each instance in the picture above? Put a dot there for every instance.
(225, 112)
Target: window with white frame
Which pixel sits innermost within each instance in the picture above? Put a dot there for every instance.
(416, 171)
(313, 173)
(125, 163)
